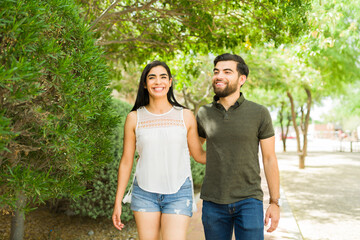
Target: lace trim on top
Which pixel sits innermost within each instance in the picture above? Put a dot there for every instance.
(160, 123)
(147, 119)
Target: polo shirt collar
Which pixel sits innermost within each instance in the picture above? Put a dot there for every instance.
(238, 102)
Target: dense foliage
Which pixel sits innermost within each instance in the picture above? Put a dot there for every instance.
(55, 108)
(138, 30)
(99, 201)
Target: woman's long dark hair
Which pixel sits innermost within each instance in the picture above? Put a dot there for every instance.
(142, 98)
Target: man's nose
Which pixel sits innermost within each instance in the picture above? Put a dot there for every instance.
(220, 75)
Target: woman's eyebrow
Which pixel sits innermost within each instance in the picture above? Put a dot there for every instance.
(153, 75)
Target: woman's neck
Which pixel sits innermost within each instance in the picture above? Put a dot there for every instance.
(159, 106)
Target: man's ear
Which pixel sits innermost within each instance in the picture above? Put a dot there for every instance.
(242, 80)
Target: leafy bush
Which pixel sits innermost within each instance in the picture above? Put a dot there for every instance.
(198, 172)
(56, 113)
(99, 201)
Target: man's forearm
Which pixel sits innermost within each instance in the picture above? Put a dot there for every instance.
(272, 177)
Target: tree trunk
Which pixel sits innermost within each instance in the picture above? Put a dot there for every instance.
(196, 108)
(293, 116)
(283, 137)
(287, 129)
(301, 161)
(305, 128)
(18, 219)
(284, 144)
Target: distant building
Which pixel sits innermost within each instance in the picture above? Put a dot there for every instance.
(327, 130)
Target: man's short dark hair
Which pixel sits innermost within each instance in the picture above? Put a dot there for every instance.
(241, 66)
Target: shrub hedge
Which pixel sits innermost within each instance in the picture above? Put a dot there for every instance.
(99, 201)
(56, 110)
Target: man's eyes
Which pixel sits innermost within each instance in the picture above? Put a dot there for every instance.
(226, 72)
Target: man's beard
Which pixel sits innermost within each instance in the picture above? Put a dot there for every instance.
(228, 90)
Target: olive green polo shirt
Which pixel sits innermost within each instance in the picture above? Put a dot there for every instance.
(232, 147)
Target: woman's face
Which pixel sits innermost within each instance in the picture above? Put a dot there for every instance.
(158, 82)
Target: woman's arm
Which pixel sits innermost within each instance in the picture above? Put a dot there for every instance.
(125, 166)
(193, 139)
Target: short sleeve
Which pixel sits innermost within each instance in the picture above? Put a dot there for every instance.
(200, 127)
(266, 129)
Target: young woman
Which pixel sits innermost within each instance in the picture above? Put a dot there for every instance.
(162, 132)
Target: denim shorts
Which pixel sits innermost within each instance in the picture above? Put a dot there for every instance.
(177, 203)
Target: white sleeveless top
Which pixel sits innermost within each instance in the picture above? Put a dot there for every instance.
(161, 141)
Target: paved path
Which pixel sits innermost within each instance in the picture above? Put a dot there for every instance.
(325, 196)
(321, 201)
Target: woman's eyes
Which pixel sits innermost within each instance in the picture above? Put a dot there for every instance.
(162, 77)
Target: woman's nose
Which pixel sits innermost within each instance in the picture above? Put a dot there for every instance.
(157, 80)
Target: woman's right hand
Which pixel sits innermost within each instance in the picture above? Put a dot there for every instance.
(126, 163)
(116, 218)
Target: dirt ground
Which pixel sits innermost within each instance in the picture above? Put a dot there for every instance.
(43, 224)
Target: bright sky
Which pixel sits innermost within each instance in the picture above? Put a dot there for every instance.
(319, 110)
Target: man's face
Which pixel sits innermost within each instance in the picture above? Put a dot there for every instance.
(226, 79)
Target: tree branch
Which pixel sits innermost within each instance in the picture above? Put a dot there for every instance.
(134, 40)
(103, 14)
(133, 9)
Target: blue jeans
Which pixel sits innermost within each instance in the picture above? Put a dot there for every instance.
(246, 216)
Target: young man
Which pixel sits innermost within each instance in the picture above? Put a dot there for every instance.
(233, 127)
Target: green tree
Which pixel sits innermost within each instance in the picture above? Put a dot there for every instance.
(331, 48)
(192, 75)
(141, 31)
(283, 72)
(346, 108)
(332, 44)
(55, 107)
(136, 30)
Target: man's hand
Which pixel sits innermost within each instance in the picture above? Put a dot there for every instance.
(273, 213)
(116, 218)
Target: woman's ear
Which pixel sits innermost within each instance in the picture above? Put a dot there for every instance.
(170, 81)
